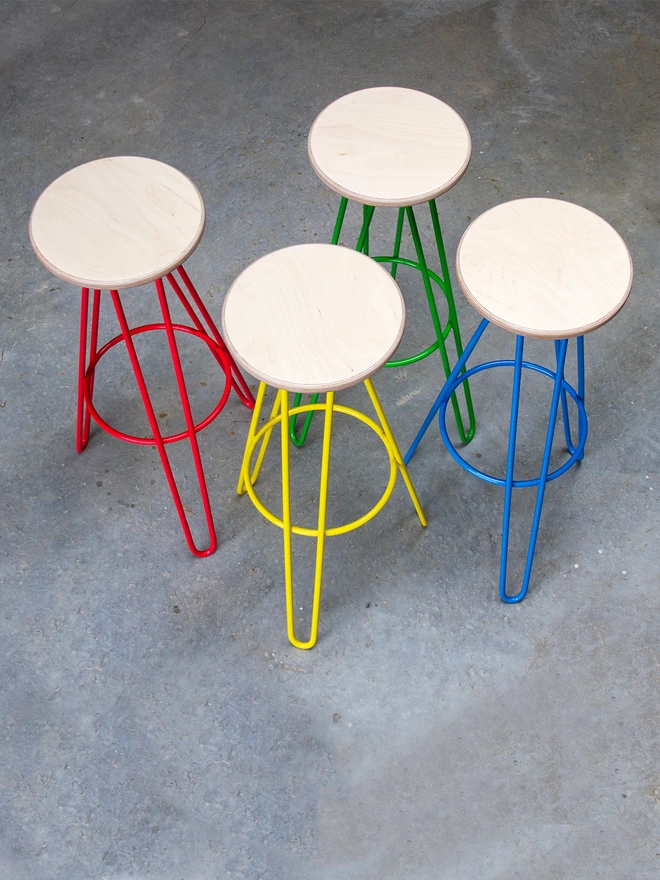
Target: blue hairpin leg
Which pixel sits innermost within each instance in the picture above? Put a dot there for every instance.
(580, 391)
(580, 361)
(448, 387)
(561, 391)
(561, 347)
(510, 464)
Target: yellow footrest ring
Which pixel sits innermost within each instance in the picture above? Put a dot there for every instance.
(301, 530)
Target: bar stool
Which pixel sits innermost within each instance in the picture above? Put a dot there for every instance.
(538, 268)
(396, 148)
(117, 223)
(313, 318)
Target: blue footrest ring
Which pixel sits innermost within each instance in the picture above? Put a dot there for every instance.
(449, 389)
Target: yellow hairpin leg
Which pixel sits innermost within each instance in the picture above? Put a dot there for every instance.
(254, 427)
(395, 449)
(286, 520)
(259, 435)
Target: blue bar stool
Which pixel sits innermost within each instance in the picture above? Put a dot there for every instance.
(538, 268)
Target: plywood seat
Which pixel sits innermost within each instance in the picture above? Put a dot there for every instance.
(313, 318)
(389, 146)
(117, 222)
(544, 267)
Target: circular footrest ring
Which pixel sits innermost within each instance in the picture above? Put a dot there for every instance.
(220, 355)
(434, 346)
(489, 478)
(336, 530)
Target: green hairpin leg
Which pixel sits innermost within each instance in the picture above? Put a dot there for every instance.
(444, 283)
(299, 439)
(363, 243)
(341, 213)
(397, 241)
(428, 276)
(363, 239)
(452, 321)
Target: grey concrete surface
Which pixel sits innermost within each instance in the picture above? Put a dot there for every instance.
(156, 724)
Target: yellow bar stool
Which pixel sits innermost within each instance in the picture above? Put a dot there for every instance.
(310, 319)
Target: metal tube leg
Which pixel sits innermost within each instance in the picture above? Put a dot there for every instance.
(93, 344)
(561, 360)
(543, 478)
(581, 382)
(265, 440)
(222, 357)
(510, 465)
(437, 326)
(252, 430)
(82, 368)
(323, 501)
(363, 239)
(367, 222)
(295, 439)
(564, 396)
(321, 531)
(339, 222)
(283, 397)
(395, 449)
(238, 382)
(363, 246)
(397, 241)
(190, 423)
(83, 419)
(157, 437)
(564, 407)
(453, 320)
(460, 365)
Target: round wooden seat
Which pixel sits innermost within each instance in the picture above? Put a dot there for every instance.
(313, 318)
(389, 147)
(544, 267)
(117, 222)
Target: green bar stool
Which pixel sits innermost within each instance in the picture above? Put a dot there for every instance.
(313, 319)
(396, 148)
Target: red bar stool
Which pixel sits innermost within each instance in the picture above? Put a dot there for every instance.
(117, 223)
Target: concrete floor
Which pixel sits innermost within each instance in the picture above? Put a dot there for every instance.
(156, 724)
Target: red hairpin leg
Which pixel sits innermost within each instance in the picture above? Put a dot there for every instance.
(153, 421)
(238, 382)
(84, 416)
